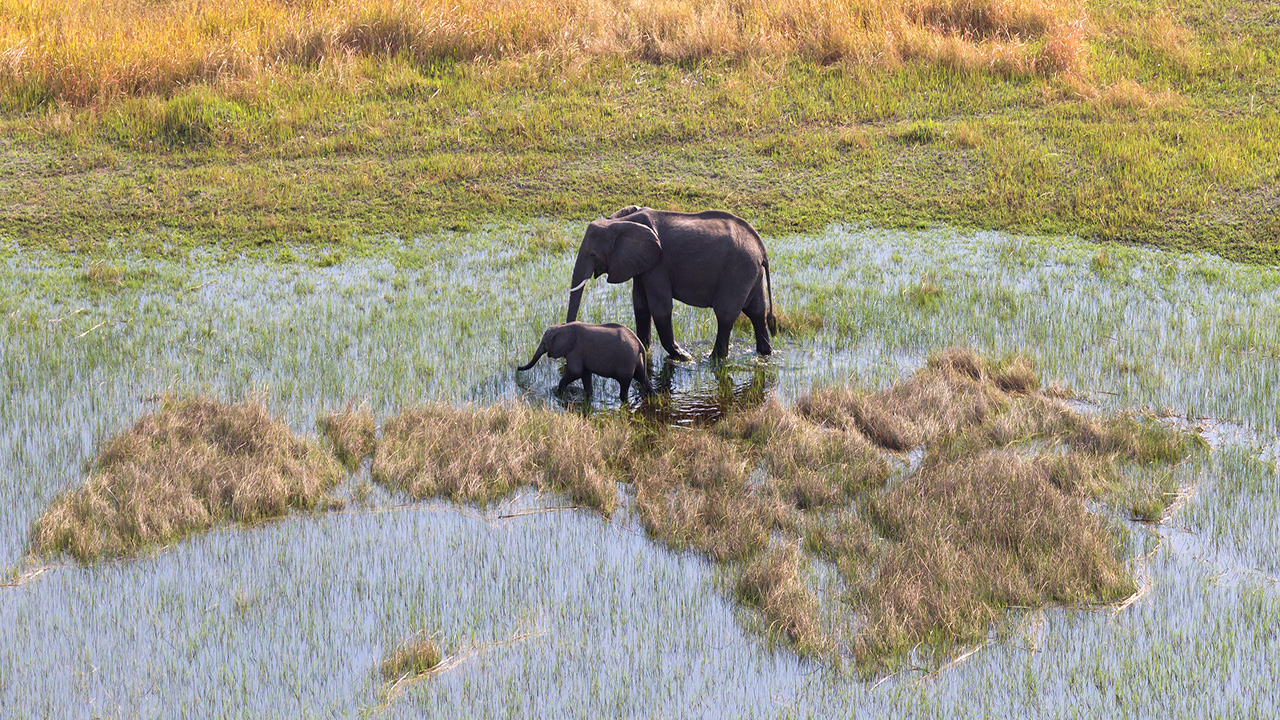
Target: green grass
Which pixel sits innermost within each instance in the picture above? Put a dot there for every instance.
(1186, 161)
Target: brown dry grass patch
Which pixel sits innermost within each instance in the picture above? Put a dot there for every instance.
(994, 515)
(972, 536)
(809, 465)
(193, 464)
(771, 583)
(478, 455)
(351, 432)
(693, 493)
(103, 50)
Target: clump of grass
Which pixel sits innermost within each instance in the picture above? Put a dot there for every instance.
(351, 431)
(771, 583)
(100, 274)
(109, 276)
(809, 465)
(417, 656)
(1138, 440)
(954, 391)
(800, 323)
(973, 536)
(464, 454)
(693, 493)
(478, 455)
(193, 464)
(921, 133)
(925, 294)
(1127, 95)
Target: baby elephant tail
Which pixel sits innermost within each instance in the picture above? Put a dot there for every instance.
(542, 350)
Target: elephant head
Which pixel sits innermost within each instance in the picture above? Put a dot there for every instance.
(619, 248)
(557, 341)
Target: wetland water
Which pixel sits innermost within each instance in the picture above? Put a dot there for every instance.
(292, 618)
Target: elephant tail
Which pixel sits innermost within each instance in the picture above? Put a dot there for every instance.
(542, 350)
(770, 320)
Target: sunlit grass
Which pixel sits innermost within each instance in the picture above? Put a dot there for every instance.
(192, 465)
(82, 52)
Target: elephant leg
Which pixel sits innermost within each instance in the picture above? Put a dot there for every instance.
(763, 346)
(723, 331)
(657, 289)
(640, 303)
(668, 339)
(625, 395)
(755, 311)
(568, 378)
(586, 383)
(642, 376)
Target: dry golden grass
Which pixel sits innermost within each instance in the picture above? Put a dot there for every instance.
(478, 455)
(193, 464)
(79, 51)
(975, 535)
(810, 466)
(1127, 94)
(693, 493)
(955, 390)
(418, 655)
(771, 583)
(351, 432)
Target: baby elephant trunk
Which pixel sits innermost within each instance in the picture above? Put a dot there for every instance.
(542, 350)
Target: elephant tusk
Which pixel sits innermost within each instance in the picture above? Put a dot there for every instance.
(579, 286)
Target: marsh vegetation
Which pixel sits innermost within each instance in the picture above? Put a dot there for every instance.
(760, 524)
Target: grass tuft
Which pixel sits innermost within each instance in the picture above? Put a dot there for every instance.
(417, 656)
(351, 432)
(771, 582)
(193, 464)
(693, 493)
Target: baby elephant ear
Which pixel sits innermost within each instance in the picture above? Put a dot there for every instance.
(636, 250)
(560, 339)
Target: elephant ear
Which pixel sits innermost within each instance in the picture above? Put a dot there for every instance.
(636, 250)
(559, 340)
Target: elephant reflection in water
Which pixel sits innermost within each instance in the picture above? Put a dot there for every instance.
(701, 405)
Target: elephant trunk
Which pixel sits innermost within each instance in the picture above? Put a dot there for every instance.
(542, 350)
(581, 274)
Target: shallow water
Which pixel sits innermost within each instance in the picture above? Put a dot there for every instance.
(292, 617)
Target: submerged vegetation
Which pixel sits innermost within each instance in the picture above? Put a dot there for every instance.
(928, 551)
(193, 464)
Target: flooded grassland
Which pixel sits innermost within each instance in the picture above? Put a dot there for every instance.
(565, 613)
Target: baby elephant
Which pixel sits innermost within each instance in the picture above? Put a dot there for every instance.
(610, 350)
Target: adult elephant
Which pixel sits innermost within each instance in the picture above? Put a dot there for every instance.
(709, 259)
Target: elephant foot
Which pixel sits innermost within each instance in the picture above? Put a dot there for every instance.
(678, 353)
